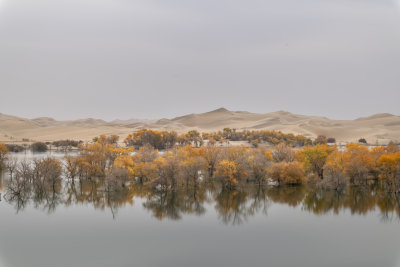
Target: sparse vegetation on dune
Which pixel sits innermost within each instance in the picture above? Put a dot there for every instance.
(380, 129)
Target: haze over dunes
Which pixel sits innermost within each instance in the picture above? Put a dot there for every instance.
(379, 127)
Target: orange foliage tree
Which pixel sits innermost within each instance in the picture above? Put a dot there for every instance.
(226, 171)
(358, 163)
(314, 158)
(389, 166)
(288, 173)
(3, 155)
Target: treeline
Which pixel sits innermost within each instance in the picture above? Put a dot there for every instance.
(233, 166)
(162, 140)
(168, 139)
(255, 137)
(185, 165)
(34, 147)
(357, 165)
(44, 146)
(66, 143)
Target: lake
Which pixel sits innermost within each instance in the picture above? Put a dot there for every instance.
(81, 224)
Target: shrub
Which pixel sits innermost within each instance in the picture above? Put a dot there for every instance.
(282, 152)
(331, 140)
(320, 140)
(314, 158)
(258, 162)
(359, 163)
(156, 139)
(226, 171)
(254, 143)
(39, 147)
(288, 173)
(362, 140)
(66, 143)
(15, 148)
(48, 169)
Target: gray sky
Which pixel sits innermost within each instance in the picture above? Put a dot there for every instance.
(124, 59)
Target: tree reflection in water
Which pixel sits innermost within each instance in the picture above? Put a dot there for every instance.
(172, 204)
(232, 206)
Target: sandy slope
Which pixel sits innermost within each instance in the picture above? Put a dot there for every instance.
(379, 128)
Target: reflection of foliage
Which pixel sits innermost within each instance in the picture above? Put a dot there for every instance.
(44, 196)
(163, 204)
(47, 198)
(258, 200)
(389, 205)
(172, 204)
(193, 201)
(18, 192)
(235, 206)
(231, 206)
(359, 200)
(1, 181)
(320, 201)
(93, 192)
(290, 195)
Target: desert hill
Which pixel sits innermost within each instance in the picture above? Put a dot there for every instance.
(381, 128)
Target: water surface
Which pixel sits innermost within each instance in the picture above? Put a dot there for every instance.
(82, 224)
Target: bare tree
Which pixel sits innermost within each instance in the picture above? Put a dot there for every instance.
(11, 166)
(282, 152)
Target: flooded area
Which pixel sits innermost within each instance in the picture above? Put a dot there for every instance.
(80, 223)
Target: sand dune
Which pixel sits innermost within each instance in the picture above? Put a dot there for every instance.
(378, 128)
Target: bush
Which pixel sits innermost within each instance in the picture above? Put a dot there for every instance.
(314, 158)
(288, 173)
(254, 143)
(39, 147)
(227, 172)
(333, 178)
(66, 143)
(282, 152)
(15, 148)
(156, 139)
(331, 140)
(362, 140)
(321, 140)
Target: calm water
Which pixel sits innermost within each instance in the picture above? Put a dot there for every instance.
(29, 155)
(81, 224)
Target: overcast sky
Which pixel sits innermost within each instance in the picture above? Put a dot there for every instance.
(124, 59)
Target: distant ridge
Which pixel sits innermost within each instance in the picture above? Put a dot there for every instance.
(381, 128)
(219, 110)
(377, 116)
